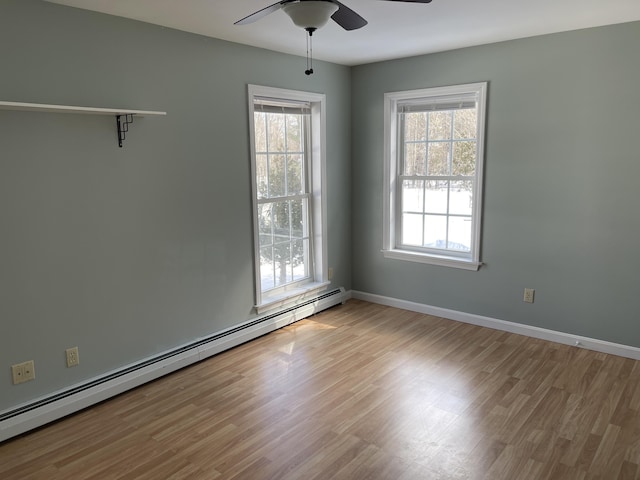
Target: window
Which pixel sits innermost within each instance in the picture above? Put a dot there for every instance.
(287, 160)
(434, 143)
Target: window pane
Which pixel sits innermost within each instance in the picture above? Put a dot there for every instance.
(460, 234)
(465, 123)
(438, 160)
(436, 196)
(440, 125)
(265, 224)
(267, 279)
(412, 229)
(275, 130)
(415, 127)
(464, 158)
(461, 198)
(298, 218)
(294, 133)
(294, 175)
(262, 177)
(281, 221)
(260, 128)
(277, 176)
(282, 263)
(412, 195)
(300, 249)
(415, 156)
(435, 231)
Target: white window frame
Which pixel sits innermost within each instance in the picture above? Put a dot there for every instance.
(392, 143)
(318, 268)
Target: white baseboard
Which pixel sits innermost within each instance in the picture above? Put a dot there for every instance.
(535, 332)
(57, 405)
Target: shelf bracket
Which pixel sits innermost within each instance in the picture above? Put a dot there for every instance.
(123, 122)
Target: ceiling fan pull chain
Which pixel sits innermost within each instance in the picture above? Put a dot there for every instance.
(309, 69)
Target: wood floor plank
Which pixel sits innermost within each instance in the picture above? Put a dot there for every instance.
(360, 391)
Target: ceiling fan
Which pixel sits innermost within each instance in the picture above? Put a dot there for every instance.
(313, 14)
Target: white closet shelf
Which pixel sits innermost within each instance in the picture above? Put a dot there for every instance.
(124, 116)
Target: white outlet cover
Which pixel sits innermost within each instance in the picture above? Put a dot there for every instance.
(528, 295)
(73, 356)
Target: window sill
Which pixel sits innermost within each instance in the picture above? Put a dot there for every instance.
(442, 261)
(291, 297)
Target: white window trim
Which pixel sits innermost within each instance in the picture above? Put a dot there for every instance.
(320, 271)
(389, 249)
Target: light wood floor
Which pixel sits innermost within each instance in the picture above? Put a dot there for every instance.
(360, 391)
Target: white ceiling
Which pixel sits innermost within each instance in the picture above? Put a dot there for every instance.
(395, 29)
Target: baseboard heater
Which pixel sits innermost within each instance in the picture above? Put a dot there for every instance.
(40, 412)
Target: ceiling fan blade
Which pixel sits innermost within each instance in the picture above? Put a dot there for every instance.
(261, 13)
(347, 18)
(410, 1)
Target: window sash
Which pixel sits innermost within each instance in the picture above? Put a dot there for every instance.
(293, 238)
(287, 154)
(425, 213)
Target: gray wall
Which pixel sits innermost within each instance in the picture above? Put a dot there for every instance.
(130, 252)
(561, 191)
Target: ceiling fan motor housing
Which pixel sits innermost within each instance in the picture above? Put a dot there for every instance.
(310, 14)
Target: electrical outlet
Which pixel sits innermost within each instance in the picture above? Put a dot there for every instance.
(73, 357)
(528, 295)
(23, 372)
(29, 371)
(17, 373)
(330, 273)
